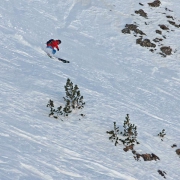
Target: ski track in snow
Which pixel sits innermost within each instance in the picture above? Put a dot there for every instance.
(113, 76)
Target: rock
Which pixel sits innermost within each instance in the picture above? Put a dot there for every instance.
(163, 55)
(158, 32)
(156, 3)
(154, 157)
(178, 152)
(166, 50)
(157, 39)
(132, 27)
(149, 157)
(127, 148)
(162, 26)
(141, 13)
(170, 17)
(145, 43)
(146, 157)
(174, 24)
(126, 31)
(174, 145)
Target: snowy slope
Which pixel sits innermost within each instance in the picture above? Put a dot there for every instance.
(115, 76)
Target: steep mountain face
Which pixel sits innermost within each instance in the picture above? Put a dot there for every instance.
(124, 57)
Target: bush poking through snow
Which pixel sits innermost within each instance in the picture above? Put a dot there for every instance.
(162, 134)
(162, 173)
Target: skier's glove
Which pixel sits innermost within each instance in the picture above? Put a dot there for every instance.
(58, 49)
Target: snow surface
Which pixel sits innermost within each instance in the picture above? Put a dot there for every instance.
(115, 76)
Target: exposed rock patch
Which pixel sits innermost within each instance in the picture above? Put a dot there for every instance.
(166, 50)
(170, 17)
(146, 157)
(178, 152)
(174, 145)
(126, 31)
(174, 24)
(145, 43)
(154, 45)
(158, 32)
(157, 39)
(163, 27)
(156, 3)
(132, 27)
(130, 147)
(141, 13)
(168, 10)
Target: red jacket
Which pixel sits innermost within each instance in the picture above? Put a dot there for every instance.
(54, 44)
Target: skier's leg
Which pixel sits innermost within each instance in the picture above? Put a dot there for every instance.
(50, 50)
(53, 51)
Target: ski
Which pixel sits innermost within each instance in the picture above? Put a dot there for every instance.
(63, 60)
(60, 59)
(49, 55)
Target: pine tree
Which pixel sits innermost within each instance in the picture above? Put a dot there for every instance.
(51, 105)
(130, 131)
(73, 97)
(54, 111)
(114, 134)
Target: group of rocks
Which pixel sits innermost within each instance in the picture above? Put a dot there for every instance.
(149, 157)
(142, 39)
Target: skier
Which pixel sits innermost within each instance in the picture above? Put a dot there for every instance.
(52, 44)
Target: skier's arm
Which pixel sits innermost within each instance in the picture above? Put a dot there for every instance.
(57, 47)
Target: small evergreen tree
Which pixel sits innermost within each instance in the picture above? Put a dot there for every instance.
(130, 131)
(73, 97)
(54, 111)
(51, 105)
(67, 109)
(114, 134)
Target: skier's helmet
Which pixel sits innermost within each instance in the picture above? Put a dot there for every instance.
(59, 41)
